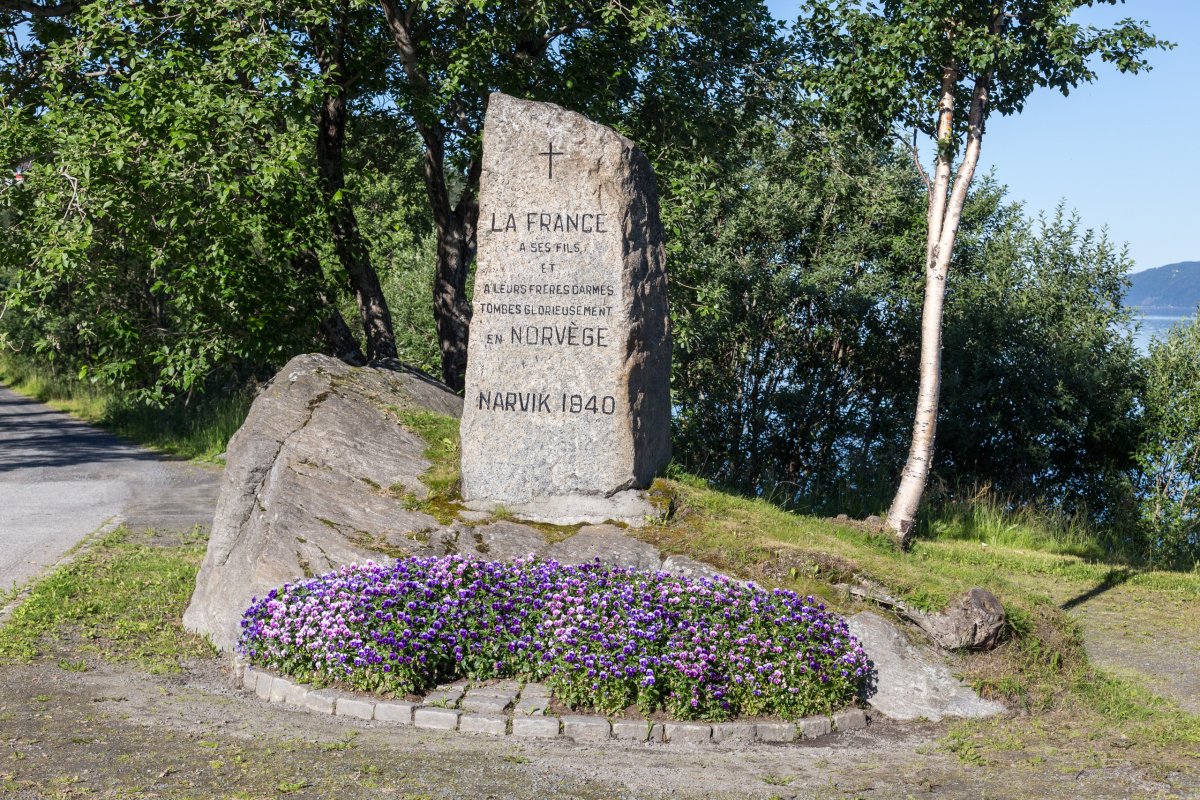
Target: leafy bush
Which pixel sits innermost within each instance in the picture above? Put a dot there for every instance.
(602, 637)
(1169, 455)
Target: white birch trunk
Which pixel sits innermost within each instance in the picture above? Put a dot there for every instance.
(945, 214)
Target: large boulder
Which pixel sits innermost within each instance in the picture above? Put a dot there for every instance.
(321, 474)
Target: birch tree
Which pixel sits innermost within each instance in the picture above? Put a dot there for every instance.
(938, 69)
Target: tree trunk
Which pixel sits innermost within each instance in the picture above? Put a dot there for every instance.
(337, 334)
(348, 242)
(945, 213)
(455, 224)
(456, 241)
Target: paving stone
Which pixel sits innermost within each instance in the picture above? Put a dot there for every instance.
(851, 719)
(507, 687)
(235, 674)
(353, 707)
(532, 707)
(395, 711)
(446, 696)
(262, 686)
(535, 727)
(438, 719)
(321, 701)
(733, 732)
(687, 732)
(637, 730)
(286, 691)
(249, 679)
(586, 728)
(483, 723)
(279, 687)
(485, 704)
(776, 732)
(812, 727)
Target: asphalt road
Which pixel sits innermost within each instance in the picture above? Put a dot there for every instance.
(61, 479)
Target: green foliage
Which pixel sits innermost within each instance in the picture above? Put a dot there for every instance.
(198, 427)
(1040, 375)
(782, 269)
(1169, 453)
(153, 239)
(124, 598)
(442, 448)
(796, 313)
(882, 64)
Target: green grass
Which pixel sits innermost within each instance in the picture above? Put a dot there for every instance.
(982, 516)
(196, 430)
(443, 450)
(122, 600)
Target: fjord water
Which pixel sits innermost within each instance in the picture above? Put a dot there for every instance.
(1153, 326)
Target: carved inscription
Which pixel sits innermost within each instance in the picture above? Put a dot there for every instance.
(543, 308)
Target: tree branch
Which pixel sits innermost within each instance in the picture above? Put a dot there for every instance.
(63, 9)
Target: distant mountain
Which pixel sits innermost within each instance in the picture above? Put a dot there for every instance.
(1173, 290)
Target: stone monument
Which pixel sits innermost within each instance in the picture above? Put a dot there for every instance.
(567, 405)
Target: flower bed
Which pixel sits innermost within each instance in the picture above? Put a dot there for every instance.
(603, 638)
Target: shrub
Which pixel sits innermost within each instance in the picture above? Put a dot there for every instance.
(602, 637)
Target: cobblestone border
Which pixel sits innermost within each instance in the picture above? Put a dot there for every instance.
(527, 719)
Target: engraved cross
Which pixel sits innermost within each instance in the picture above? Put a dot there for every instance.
(550, 154)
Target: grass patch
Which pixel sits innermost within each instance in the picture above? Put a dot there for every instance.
(197, 430)
(984, 517)
(122, 598)
(1042, 668)
(443, 450)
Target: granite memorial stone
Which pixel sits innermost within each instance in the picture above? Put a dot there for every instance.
(567, 388)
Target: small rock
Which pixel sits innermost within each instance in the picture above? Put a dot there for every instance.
(851, 719)
(483, 723)
(637, 730)
(814, 727)
(351, 707)
(586, 728)
(438, 719)
(686, 567)
(687, 732)
(776, 732)
(975, 621)
(321, 701)
(733, 732)
(396, 711)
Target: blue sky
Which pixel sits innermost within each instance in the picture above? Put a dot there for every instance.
(1121, 151)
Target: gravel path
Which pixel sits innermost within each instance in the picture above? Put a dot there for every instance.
(1150, 636)
(110, 732)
